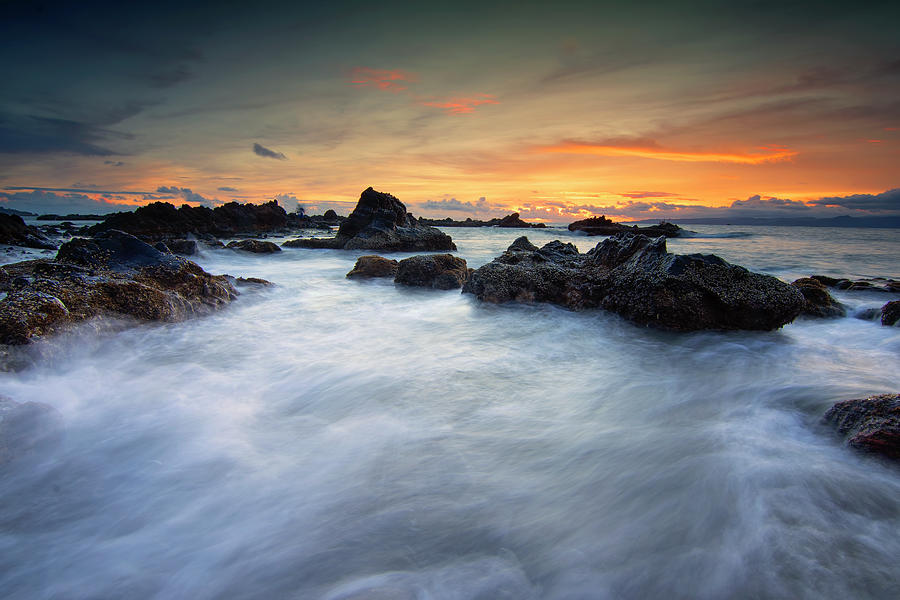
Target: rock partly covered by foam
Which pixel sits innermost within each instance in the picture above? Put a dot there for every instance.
(870, 424)
(603, 226)
(636, 277)
(874, 284)
(28, 428)
(818, 302)
(890, 313)
(437, 271)
(114, 273)
(161, 220)
(14, 232)
(380, 222)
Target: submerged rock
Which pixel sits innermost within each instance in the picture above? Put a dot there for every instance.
(28, 428)
(370, 266)
(14, 232)
(438, 271)
(874, 284)
(380, 222)
(114, 273)
(819, 303)
(636, 277)
(869, 424)
(890, 313)
(255, 246)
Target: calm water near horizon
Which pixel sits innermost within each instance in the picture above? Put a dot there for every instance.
(337, 439)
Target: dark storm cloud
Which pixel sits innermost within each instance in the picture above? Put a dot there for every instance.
(885, 201)
(39, 135)
(261, 150)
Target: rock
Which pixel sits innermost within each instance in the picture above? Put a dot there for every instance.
(114, 273)
(255, 246)
(380, 222)
(890, 313)
(874, 284)
(14, 232)
(513, 221)
(252, 282)
(183, 247)
(161, 220)
(437, 271)
(819, 303)
(603, 226)
(870, 424)
(28, 428)
(636, 277)
(373, 266)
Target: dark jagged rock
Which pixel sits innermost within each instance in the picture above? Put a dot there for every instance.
(14, 232)
(255, 246)
(603, 226)
(870, 424)
(636, 277)
(438, 271)
(71, 217)
(161, 220)
(819, 303)
(875, 284)
(183, 247)
(373, 266)
(512, 220)
(252, 282)
(28, 428)
(890, 313)
(114, 273)
(380, 222)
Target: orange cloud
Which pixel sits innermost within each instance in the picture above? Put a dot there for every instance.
(459, 106)
(650, 149)
(383, 79)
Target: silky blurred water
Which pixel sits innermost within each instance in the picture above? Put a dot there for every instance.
(337, 439)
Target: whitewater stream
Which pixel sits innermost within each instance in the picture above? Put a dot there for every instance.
(337, 439)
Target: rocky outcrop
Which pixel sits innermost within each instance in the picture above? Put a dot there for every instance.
(371, 266)
(603, 226)
(875, 284)
(514, 221)
(255, 246)
(890, 313)
(869, 424)
(380, 222)
(819, 303)
(14, 232)
(161, 220)
(437, 271)
(28, 428)
(111, 274)
(636, 277)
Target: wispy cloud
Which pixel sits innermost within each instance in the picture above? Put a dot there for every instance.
(187, 195)
(391, 80)
(261, 150)
(227, 189)
(651, 149)
(459, 106)
(637, 195)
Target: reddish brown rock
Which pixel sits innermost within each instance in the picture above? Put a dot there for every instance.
(870, 424)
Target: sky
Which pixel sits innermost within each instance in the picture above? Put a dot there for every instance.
(559, 111)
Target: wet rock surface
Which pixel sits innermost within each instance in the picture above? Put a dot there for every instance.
(380, 222)
(874, 284)
(890, 313)
(371, 266)
(636, 277)
(254, 246)
(819, 303)
(869, 424)
(113, 273)
(437, 271)
(14, 232)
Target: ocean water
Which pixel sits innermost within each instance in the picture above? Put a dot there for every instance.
(336, 439)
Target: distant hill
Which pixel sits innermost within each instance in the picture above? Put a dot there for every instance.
(843, 221)
(12, 211)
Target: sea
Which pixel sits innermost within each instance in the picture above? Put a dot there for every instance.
(336, 439)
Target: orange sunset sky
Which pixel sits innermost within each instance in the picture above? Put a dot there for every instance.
(639, 111)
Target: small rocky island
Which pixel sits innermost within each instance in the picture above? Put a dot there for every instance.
(512, 221)
(380, 222)
(603, 226)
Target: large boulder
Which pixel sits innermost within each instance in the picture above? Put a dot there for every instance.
(870, 424)
(115, 274)
(14, 232)
(254, 246)
(819, 303)
(380, 222)
(371, 266)
(437, 271)
(28, 428)
(636, 277)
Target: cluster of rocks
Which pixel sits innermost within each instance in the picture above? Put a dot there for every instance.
(380, 222)
(325, 221)
(603, 226)
(634, 276)
(436, 271)
(819, 303)
(15, 232)
(112, 274)
(513, 220)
